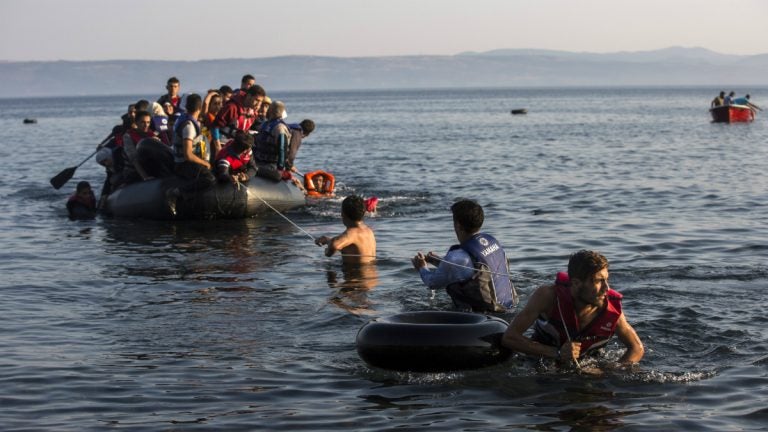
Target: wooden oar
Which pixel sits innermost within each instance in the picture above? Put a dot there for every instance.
(63, 177)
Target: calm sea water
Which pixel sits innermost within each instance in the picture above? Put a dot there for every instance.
(245, 325)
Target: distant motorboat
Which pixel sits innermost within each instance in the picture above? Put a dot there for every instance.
(732, 114)
(30, 121)
(519, 111)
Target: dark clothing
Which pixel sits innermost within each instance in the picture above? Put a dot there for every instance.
(199, 177)
(271, 144)
(490, 288)
(297, 135)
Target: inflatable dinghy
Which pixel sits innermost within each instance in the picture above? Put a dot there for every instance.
(146, 200)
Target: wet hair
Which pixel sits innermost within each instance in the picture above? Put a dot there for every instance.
(82, 186)
(256, 90)
(194, 103)
(225, 89)
(247, 77)
(243, 141)
(353, 207)
(173, 80)
(468, 214)
(142, 105)
(307, 126)
(584, 264)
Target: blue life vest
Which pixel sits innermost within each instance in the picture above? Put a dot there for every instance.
(199, 147)
(490, 289)
(267, 147)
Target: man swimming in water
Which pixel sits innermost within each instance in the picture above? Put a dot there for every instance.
(575, 316)
(357, 243)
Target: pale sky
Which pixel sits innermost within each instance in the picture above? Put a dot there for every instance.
(210, 29)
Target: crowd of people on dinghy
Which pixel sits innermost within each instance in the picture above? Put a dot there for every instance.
(219, 137)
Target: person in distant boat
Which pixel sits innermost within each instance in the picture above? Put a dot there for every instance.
(82, 204)
(575, 316)
(270, 150)
(235, 158)
(190, 154)
(298, 133)
(746, 102)
(475, 272)
(728, 100)
(718, 100)
(237, 114)
(171, 101)
(357, 243)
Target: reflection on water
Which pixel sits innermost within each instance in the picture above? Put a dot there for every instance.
(246, 325)
(351, 292)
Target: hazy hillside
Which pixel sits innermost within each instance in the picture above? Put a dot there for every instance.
(498, 68)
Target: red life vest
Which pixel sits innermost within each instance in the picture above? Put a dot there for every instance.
(596, 334)
(234, 116)
(137, 135)
(89, 202)
(235, 162)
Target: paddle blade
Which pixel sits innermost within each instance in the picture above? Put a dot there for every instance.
(63, 177)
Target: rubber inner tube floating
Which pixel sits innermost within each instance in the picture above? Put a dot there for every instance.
(519, 111)
(432, 341)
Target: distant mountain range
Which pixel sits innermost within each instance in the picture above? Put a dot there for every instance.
(499, 68)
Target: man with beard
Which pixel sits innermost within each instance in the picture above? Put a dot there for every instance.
(575, 316)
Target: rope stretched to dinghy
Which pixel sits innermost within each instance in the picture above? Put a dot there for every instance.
(514, 291)
(284, 217)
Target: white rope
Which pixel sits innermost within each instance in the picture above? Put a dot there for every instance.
(286, 218)
(567, 334)
(514, 291)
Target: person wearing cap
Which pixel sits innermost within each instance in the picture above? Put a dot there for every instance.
(235, 158)
(271, 147)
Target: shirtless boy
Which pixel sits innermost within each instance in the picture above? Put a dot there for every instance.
(357, 243)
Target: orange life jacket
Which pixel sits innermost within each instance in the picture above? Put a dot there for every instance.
(319, 183)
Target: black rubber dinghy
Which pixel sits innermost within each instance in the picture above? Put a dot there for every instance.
(146, 199)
